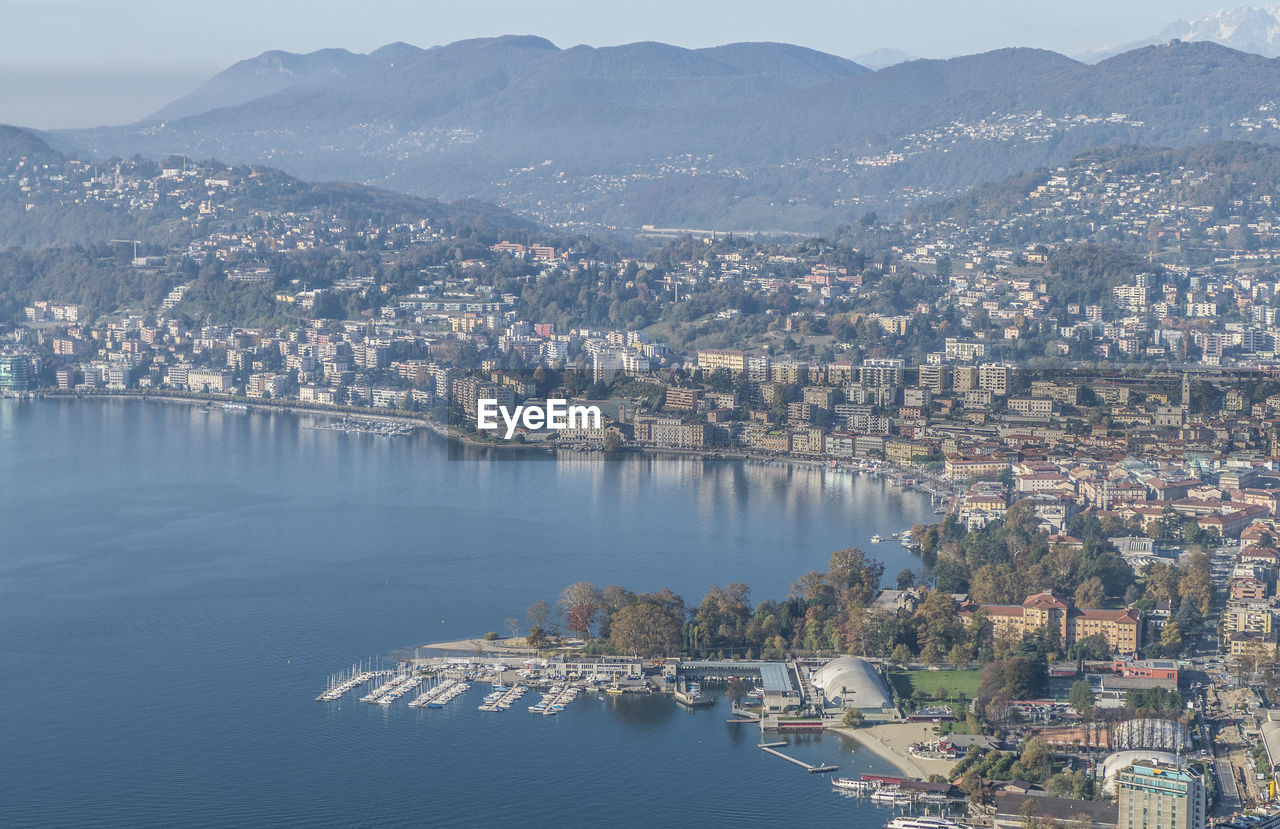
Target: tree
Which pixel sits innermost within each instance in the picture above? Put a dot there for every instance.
(645, 629)
(1094, 647)
(851, 569)
(959, 655)
(906, 579)
(537, 637)
(1091, 593)
(513, 626)
(538, 614)
(1035, 758)
(901, 655)
(994, 584)
(932, 653)
(1081, 696)
(579, 602)
(1195, 583)
(853, 718)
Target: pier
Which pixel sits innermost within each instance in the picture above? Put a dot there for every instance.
(772, 748)
(340, 686)
(438, 695)
(502, 698)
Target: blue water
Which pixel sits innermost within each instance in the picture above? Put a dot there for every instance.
(176, 586)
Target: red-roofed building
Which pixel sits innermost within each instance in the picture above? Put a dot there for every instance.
(1064, 622)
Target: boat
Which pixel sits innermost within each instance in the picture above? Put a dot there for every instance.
(876, 539)
(613, 690)
(896, 801)
(852, 784)
(924, 823)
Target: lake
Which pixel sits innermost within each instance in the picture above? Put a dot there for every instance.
(177, 584)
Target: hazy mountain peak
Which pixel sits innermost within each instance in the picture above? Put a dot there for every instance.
(17, 142)
(1247, 28)
(1254, 29)
(501, 42)
(265, 74)
(883, 57)
(394, 52)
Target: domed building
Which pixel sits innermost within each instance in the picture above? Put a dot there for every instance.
(850, 682)
(1151, 733)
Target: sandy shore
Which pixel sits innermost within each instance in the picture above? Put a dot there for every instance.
(889, 741)
(491, 646)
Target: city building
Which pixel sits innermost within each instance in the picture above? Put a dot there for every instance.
(1155, 795)
(1062, 621)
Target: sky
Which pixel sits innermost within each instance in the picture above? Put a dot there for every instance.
(79, 63)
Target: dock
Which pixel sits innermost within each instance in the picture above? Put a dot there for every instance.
(343, 683)
(502, 698)
(772, 748)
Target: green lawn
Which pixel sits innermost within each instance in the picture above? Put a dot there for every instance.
(907, 683)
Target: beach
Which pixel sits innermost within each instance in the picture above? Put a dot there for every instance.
(889, 741)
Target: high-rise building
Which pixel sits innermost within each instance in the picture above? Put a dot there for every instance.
(1159, 796)
(16, 372)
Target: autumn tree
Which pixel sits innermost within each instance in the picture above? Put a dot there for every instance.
(995, 584)
(1195, 584)
(645, 629)
(854, 575)
(538, 614)
(580, 602)
(1091, 593)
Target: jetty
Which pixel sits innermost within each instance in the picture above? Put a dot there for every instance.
(438, 695)
(555, 701)
(772, 748)
(502, 698)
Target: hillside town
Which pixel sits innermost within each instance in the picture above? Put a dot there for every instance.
(1123, 414)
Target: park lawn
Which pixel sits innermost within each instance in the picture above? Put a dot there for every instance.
(953, 683)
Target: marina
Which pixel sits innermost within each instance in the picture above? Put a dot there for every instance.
(690, 694)
(437, 696)
(363, 426)
(341, 684)
(502, 698)
(555, 700)
(400, 684)
(900, 792)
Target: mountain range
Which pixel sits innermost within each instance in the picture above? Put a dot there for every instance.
(742, 136)
(1254, 29)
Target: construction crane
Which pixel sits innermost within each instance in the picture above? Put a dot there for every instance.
(168, 156)
(135, 243)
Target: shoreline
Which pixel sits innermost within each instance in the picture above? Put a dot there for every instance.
(444, 432)
(880, 740)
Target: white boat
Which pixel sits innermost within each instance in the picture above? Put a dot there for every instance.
(924, 823)
(876, 539)
(853, 785)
